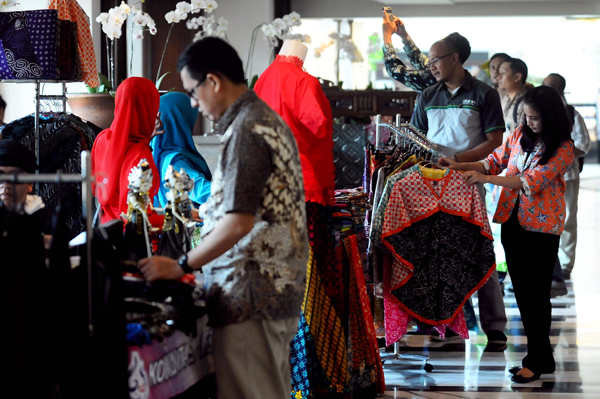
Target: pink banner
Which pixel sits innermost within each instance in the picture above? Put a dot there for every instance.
(168, 368)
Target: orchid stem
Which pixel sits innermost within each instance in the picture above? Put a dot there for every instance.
(131, 58)
(164, 52)
(251, 51)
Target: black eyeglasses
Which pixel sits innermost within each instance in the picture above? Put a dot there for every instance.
(434, 61)
(192, 92)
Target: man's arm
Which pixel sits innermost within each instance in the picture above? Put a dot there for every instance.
(580, 136)
(494, 140)
(417, 79)
(231, 229)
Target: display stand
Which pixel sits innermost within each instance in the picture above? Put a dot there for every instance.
(38, 99)
(407, 133)
(85, 179)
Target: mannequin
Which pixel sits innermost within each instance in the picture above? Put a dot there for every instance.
(293, 48)
(298, 98)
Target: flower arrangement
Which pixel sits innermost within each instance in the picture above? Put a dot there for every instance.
(206, 26)
(278, 29)
(113, 21)
(112, 25)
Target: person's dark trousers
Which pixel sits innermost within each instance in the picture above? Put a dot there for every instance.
(530, 259)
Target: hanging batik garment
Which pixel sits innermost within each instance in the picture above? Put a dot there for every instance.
(335, 351)
(438, 233)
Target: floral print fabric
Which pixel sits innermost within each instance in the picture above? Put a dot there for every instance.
(439, 235)
(541, 201)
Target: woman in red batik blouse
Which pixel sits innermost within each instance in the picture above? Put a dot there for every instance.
(532, 213)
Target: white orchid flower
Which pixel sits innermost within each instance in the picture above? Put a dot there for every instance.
(172, 17)
(295, 19)
(220, 31)
(198, 36)
(183, 8)
(269, 30)
(223, 22)
(151, 23)
(140, 19)
(125, 8)
(192, 24)
(153, 30)
(211, 5)
(112, 31)
(102, 18)
(278, 23)
(201, 21)
(198, 5)
(117, 11)
(138, 34)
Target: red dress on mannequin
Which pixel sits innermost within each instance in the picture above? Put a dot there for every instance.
(298, 98)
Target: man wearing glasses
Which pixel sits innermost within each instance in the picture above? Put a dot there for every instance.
(463, 116)
(254, 247)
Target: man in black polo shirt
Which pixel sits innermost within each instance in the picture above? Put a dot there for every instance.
(463, 116)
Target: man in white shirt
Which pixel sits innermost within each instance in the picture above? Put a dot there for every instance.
(581, 141)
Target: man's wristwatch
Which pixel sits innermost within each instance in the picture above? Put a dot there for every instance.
(183, 263)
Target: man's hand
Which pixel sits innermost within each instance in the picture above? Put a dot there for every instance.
(160, 268)
(400, 28)
(472, 177)
(451, 164)
(157, 127)
(389, 28)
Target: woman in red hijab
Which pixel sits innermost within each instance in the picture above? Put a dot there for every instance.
(120, 147)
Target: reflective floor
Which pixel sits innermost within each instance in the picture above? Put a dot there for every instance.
(466, 370)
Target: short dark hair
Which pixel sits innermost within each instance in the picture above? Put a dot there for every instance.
(500, 55)
(458, 44)
(517, 65)
(2, 103)
(211, 55)
(562, 83)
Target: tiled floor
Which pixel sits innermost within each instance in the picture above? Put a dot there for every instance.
(467, 371)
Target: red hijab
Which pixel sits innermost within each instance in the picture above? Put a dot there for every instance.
(120, 147)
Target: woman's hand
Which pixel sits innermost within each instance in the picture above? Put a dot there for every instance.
(472, 177)
(450, 163)
(157, 127)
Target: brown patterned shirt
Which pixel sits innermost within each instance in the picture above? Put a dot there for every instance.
(263, 276)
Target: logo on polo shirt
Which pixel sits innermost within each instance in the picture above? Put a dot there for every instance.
(469, 102)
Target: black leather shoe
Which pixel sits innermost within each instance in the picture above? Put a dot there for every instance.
(514, 370)
(519, 379)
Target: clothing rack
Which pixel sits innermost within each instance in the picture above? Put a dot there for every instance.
(85, 178)
(406, 132)
(420, 144)
(62, 98)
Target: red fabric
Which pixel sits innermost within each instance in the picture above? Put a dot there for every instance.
(120, 147)
(298, 98)
(70, 10)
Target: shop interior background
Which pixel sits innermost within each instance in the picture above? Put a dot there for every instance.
(569, 45)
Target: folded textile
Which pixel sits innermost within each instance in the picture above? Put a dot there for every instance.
(29, 42)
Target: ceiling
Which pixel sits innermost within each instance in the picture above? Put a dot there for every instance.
(445, 8)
